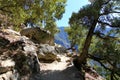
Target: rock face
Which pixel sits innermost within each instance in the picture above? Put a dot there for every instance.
(18, 57)
(38, 35)
(19, 60)
(48, 54)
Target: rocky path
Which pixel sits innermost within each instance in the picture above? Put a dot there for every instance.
(19, 61)
(59, 71)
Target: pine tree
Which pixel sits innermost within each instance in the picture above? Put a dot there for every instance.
(94, 19)
(42, 13)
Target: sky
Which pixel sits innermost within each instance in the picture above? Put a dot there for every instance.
(72, 6)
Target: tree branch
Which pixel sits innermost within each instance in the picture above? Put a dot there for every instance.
(3, 10)
(6, 6)
(99, 60)
(107, 24)
(109, 13)
(105, 37)
(115, 77)
(96, 58)
(107, 2)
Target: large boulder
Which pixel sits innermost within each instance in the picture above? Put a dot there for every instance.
(38, 35)
(18, 56)
(47, 53)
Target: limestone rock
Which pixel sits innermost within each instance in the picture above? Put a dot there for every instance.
(45, 48)
(47, 53)
(18, 56)
(60, 50)
(19, 60)
(38, 35)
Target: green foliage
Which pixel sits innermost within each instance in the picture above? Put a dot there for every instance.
(77, 35)
(104, 47)
(108, 53)
(109, 49)
(40, 12)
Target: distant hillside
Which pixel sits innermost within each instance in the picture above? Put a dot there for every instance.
(62, 38)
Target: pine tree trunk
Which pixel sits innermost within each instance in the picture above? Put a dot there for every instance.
(82, 58)
(111, 76)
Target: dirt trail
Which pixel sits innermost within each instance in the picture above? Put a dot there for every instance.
(59, 71)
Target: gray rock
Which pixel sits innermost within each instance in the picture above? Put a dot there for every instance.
(61, 50)
(47, 53)
(45, 48)
(18, 57)
(10, 75)
(34, 34)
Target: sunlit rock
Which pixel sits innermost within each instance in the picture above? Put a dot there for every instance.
(38, 35)
(18, 56)
(47, 53)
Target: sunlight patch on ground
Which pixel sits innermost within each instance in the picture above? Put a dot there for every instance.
(55, 65)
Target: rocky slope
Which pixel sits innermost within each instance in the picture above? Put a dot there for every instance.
(22, 59)
(18, 57)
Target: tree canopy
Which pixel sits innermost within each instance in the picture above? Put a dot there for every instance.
(96, 30)
(39, 12)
